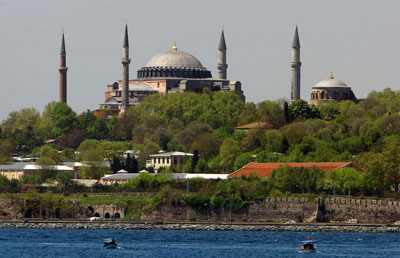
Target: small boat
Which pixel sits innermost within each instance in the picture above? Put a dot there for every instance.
(308, 245)
(109, 243)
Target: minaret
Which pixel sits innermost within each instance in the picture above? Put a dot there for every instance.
(222, 66)
(295, 67)
(63, 72)
(125, 72)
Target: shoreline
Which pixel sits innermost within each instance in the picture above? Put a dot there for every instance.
(112, 225)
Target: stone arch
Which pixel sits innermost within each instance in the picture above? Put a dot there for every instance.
(97, 214)
(117, 215)
(107, 215)
(323, 95)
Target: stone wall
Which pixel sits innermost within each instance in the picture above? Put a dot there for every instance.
(280, 210)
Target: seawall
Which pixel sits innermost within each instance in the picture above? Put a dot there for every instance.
(204, 227)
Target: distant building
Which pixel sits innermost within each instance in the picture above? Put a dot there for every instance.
(17, 170)
(266, 169)
(331, 90)
(174, 159)
(247, 127)
(168, 72)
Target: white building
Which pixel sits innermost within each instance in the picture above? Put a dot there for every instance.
(172, 159)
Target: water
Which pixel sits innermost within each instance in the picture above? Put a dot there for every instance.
(192, 244)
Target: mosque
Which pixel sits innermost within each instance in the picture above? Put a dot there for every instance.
(178, 71)
(165, 73)
(323, 92)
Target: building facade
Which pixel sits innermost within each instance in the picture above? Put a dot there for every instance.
(174, 160)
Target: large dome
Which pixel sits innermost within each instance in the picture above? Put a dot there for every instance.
(331, 83)
(174, 58)
(174, 64)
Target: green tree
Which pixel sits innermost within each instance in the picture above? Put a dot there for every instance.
(300, 109)
(242, 160)
(201, 166)
(64, 180)
(228, 152)
(95, 168)
(46, 168)
(63, 119)
(195, 159)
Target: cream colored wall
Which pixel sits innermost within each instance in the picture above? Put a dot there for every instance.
(12, 174)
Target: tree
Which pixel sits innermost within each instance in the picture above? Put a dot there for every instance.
(46, 168)
(201, 166)
(195, 159)
(286, 112)
(329, 111)
(63, 119)
(275, 141)
(116, 165)
(242, 160)
(64, 180)
(95, 168)
(300, 109)
(228, 152)
(98, 130)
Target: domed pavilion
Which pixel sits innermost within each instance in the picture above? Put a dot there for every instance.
(169, 72)
(331, 90)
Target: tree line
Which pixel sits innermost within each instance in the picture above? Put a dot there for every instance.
(367, 133)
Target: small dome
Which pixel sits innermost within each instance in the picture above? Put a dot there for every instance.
(331, 83)
(174, 58)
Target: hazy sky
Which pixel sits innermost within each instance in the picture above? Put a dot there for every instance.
(357, 40)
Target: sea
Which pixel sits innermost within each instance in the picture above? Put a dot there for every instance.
(192, 244)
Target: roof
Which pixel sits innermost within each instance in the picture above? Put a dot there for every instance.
(15, 166)
(74, 164)
(62, 52)
(172, 153)
(205, 176)
(121, 176)
(126, 41)
(266, 169)
(264, 125)
(331, 83)
(222, 44)
(56, 167)
(85, 182)
(174, 58)
(141, 86)
(296, 41)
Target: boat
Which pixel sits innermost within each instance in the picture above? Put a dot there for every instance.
(109, 243)
(308, 245)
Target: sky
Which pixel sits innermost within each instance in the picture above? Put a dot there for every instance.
(357, 40)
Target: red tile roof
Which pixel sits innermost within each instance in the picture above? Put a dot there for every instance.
(264, 125)
(265, 169)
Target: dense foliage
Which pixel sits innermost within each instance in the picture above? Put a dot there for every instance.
(367, 132)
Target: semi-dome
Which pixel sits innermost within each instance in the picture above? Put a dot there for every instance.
(330, 83)
(174, 63)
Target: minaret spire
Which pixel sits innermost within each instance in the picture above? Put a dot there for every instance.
(126, 40)
(222, 66)
(125, 72)
(295, 67)
(63, 72)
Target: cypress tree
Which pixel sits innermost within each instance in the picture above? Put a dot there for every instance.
(195, 159)
(115, 165)
(286, 111)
